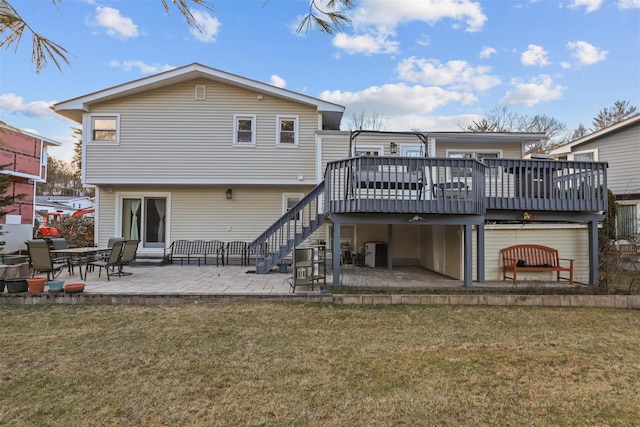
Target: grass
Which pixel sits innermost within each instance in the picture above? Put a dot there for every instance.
(293, 364)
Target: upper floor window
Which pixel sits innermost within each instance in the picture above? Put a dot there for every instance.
(287, 130)
(584, 156)
(105, 128)
(244, 132)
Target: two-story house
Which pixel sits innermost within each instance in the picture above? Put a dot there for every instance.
(198, 153)
(619, 146)
(24, 159)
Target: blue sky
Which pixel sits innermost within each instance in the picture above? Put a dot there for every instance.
(417, 64)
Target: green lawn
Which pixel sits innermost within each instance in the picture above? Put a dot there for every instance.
(322, 365)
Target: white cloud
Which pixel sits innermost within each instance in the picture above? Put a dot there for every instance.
(392, 100)
(12, 103)
(278, 81)
(457, 74)
(536, 90)
(534, 55)
(589, 5)
(115, 24)
(374, 22)
(141, 66)
(209, 24)
(486, 52)
(367, 44)
(586, 53)
(629, 4)
(389, 14)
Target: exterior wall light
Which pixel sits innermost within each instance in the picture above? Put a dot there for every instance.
(229, 194)
(393, 148)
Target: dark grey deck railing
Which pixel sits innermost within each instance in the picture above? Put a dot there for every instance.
(298, 223)
(551, 185)
(405, 185)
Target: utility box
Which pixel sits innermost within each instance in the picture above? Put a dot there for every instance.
(375, 254)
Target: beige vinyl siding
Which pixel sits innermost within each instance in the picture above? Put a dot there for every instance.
(571, 241)
(105, 217)
(166, 135)
(335, 146)
(384, 140)
(203, 212)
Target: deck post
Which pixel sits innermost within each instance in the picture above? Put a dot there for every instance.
(468, 256)
(389, 247)
(480, 252)
(594, 278)
(335, 255)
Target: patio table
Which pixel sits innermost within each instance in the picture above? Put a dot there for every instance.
(81, 252)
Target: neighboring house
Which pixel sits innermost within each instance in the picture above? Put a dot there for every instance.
(619, 146)
(61, 204)
(198, 153)
(66, 204)
(24, 156)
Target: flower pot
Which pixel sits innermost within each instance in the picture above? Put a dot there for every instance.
(74, 288)
(16, 284)
(36, 285)
(55, 286)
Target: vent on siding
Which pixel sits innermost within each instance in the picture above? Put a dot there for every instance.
(201, 91)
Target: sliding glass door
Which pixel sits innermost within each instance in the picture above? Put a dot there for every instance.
(145, 219)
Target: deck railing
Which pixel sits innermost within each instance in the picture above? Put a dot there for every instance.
(405, 185)
(550, 185)
(463, 186)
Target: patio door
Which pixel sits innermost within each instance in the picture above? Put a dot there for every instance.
(145, 219)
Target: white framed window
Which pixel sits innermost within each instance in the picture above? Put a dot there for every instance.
(104, 128)
(201, 92)
(244, 129)
(368, 150)
(287, 131)
(584, 156)
(471, 154)
(289, 200)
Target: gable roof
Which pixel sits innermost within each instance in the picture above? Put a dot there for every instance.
(567, 148)
(45, 140)
(74, 108)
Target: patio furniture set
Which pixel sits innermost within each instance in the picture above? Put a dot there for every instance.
(53, 256)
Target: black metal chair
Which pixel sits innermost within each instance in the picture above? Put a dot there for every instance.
(111, 261)
(237, 250)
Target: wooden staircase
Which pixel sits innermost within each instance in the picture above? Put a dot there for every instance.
(290, 230)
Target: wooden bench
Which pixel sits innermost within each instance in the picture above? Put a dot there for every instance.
(533, 258)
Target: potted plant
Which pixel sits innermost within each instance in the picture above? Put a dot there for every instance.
(36, 284)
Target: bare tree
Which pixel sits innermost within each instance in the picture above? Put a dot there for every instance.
(361, 121)
(610, 116)
(503, 120)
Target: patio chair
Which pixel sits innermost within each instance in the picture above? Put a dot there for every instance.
(61, 243)
(214, 247)
(42, 261)
(127, 256)
(111, 261)
(237, 250)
